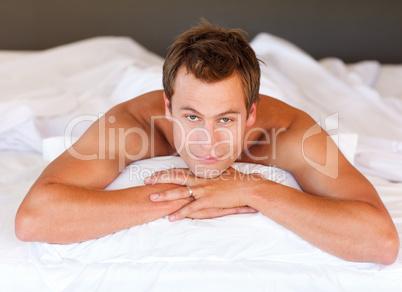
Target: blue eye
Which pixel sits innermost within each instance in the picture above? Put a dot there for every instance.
(192, 118)
(225, 120)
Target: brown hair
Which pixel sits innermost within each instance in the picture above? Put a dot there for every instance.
(213, 54)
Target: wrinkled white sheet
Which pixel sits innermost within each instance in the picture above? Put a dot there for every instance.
(330, 87)
(165, 256)
(40, 93)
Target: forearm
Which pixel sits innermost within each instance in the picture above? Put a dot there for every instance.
(352, 230)
(58, 213)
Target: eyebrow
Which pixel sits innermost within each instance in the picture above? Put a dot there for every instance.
(188, 108)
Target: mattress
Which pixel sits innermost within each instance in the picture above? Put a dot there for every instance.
(49, 98)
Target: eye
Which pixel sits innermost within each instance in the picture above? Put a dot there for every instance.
(225, 120)
(192, 118)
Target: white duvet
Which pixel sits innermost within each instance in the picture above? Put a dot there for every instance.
(41, 93)
(233, 241)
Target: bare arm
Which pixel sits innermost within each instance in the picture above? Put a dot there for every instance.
(60, 213)
(351, 229)
(338, 210)
(68, 204)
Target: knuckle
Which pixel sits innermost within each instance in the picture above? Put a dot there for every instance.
(190, 209)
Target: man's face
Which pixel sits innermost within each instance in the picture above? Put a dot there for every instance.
(209, 122)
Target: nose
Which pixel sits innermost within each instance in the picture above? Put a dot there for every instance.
(210, 132)
(206, 137)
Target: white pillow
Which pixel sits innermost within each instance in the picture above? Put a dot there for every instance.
(135, 173)
(229, 238)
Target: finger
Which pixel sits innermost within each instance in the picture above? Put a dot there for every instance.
(174, 176)
(210, 213)
(188, 209)
(244, 210)
(170, 195)
(219, 212)
(173, 170)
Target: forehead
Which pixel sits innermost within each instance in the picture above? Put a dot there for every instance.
(206, 97)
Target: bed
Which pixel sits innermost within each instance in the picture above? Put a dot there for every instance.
(49, 98)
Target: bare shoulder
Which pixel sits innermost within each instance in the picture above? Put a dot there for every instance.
(296, 140)
(278, 126)
(121, 136)
(273, 113)
(299, 145)
(145, 105)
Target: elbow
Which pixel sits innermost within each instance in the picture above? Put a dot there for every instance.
(32, 219)
(24, 226)
(29, 222)
(389, 249)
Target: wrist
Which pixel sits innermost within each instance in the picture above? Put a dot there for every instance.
(258, 193)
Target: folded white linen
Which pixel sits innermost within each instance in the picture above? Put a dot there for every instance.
(307, 85)
(247, 239)
(55, 273)
(8, 55)
(329, 88)
(50, 88)
(380, 157)
(237, 237)
(388, 83)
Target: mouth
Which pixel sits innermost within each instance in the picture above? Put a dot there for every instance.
(208, 159)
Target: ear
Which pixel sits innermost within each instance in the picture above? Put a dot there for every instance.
(168, 114)
(252, 115)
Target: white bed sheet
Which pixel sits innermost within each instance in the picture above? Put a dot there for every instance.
(366, 96)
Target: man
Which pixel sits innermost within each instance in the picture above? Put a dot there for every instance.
(211, 114)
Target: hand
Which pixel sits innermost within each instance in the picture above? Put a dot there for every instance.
(209, 213)
(215, 197)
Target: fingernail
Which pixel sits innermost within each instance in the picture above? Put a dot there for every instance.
(172, 217)
(154, 196)
(148, 180)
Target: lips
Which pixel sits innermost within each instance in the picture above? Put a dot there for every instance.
(208, 159)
